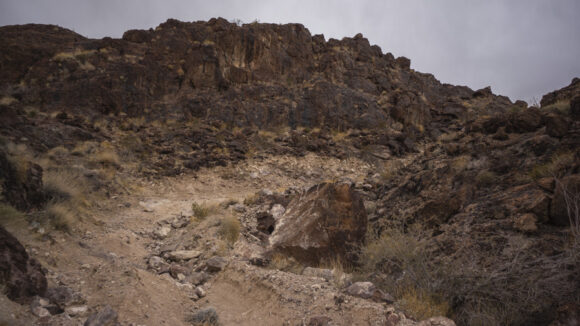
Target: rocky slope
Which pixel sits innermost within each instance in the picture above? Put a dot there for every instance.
(202, 171)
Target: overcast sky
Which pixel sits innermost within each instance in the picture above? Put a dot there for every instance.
(521, 48)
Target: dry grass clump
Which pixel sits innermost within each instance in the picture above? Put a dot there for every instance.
(558, 162)
(285, 263)
(61, 216)
(9, 213)
(511, 291)
(390, 169)
(486, 178)
(562, 106)
(201, 211)
(19, 157)
(65, 185)
(67, 192)
(230, 229)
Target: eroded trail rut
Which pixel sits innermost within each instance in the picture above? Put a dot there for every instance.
(108, 264)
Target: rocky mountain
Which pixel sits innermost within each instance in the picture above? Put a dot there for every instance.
(193, 164)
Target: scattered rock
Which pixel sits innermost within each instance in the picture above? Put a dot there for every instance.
(320, 321)
(328, 220)
(207, 316)
(157, 263)
(197, 278)
(437, 321)
(277, 211)
(318, 272)
(77, 311)
(367, 290)
(162, 232)
(106, 317)
(216, 264)
(63, 296)
(181, 255)
(38, 306)
(21, 276)
(200, 292)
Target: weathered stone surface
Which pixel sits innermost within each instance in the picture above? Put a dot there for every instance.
(326, 221)
(216, 264)
(179, 255)
(526, 223)
(436, 321)
(207, 316)
(20, 182)
(105, 317)
(21, 276)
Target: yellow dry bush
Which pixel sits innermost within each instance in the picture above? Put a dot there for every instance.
(230, 229)
(61, 216)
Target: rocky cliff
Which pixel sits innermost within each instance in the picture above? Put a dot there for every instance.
(450, 201)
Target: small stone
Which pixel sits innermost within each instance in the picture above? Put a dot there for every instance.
(200, 292)
(156, 262)
(207, 316)
(180, 277)
(40, 311)
(146, 208)
(216, 264)
(178, 255)
(277, 211)
(363, 290)
(162, 232)
(319, 321)
(197, 278)
(106, 317)
(76, 311)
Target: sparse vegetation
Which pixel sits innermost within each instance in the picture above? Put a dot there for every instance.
(486, 178)
(285, 263)
(230, 229)
(554, 167)
(562, 106)
(9, 213)
(61, 216)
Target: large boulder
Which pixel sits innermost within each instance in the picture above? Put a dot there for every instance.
(22, 277)
(327, 221)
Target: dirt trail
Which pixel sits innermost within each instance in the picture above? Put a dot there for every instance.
(107, 261)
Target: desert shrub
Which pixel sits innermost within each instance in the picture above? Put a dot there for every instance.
(66, 185)
(410, 275)
(199, 211)
(230, 229)
(107, 157)
(562, 106)
(285, 263)
(9, 213)
(553, 168)
(486, 178)
(61, 216)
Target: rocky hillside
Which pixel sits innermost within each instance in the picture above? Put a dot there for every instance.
(196, 163)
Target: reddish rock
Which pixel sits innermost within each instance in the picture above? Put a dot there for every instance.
(326, 221)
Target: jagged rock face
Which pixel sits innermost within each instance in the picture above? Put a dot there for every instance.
(21, 276)
(326, 222)
(251, 75)
(21, 182)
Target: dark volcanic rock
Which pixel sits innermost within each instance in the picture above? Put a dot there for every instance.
(327, 221)
(21, 182)
(21, 276)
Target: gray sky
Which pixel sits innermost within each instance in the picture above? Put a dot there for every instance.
(522, 48)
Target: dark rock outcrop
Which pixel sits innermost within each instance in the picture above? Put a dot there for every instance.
(21, 276)
(21, 182)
